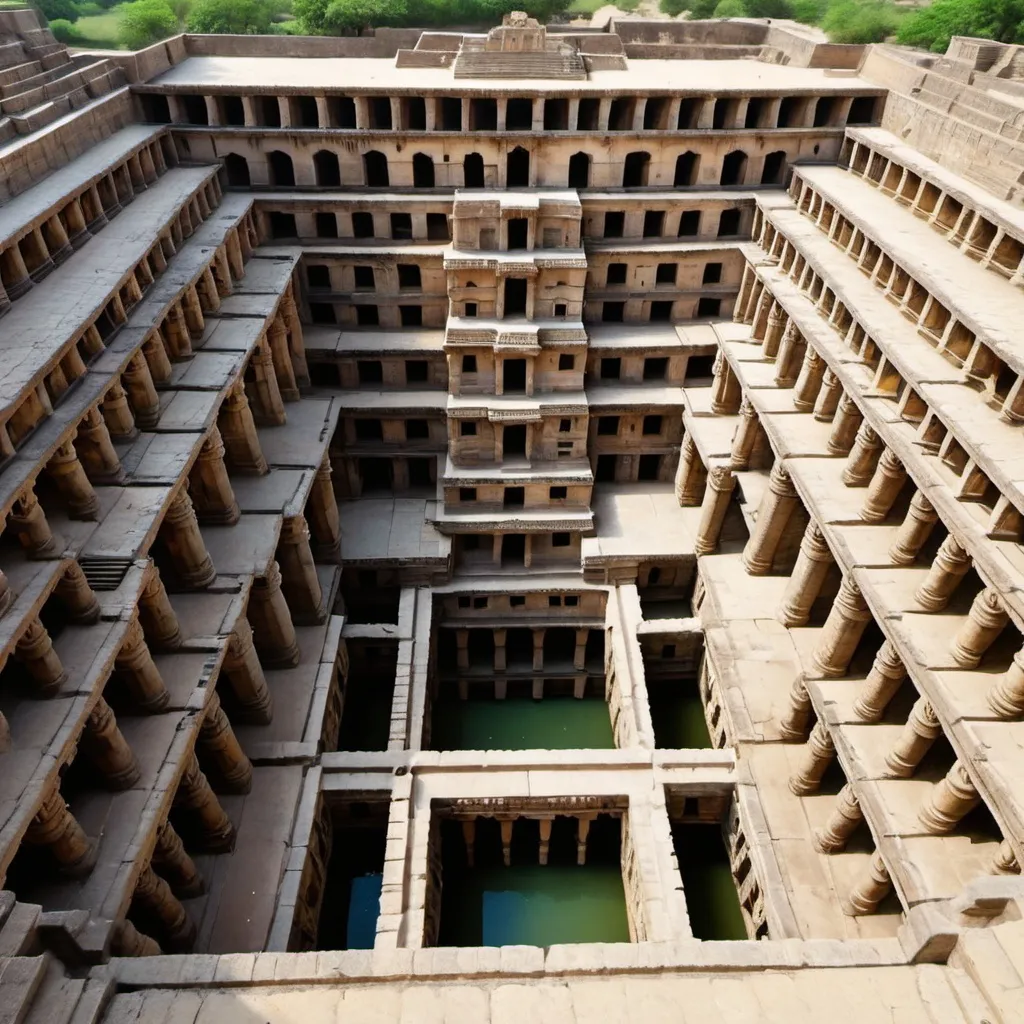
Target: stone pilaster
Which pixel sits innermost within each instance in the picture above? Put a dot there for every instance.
(827, 402)
(300, 582)
(271, 620)
(268, 405)
(245, 674)
(691, 475)
(745, 438)
(142, 396)
(77, 596)
(725, 388)
(322, 514)
(808, 383)
(34, 650)
(882, 682)
(105, 746)
(842, 631)
(221, 750)
(812, 567)
(136, 667)
(73, 483)
(238, 430)
(1006, 698)
(950, 801)
(159, 621)
(842, 823)
(914, 531)
(217, 834)
(787, 362)
(985, 621)
(920, 732)
(815, 759)
(28, 520)
(154, 897)
(863, 457)
(845, 425)
(884, 488)
(55, 827)
(950, 565)
(717, 496)
(873, 887)
(180, 530)
(174, 863)
(777, 505)
(96, 450)
(212, 494)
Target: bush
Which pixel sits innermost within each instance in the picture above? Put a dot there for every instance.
(144, 22)
(57, 10)
(730, 9)
(865, 22)
(673, 8)
(768, 8)
(932, 27)
(235, 17)
(63, 31)
(87, 9)
(810, 12)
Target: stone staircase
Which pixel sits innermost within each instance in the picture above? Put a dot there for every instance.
(40, 81)
(479, 63)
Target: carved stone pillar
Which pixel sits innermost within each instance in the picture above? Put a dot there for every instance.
(28, 520)
(845, 425)
(97, 451)
(105, 746)
(300, 582)
(77, 596)
(154, 348)
(774, 330)
(914, 531)
(137, 668)
(745, 438)
(144, 400)
(323, 516)
(860, 464)
(158, 618)
(817, 756)
(283, 368)
(717, 496)
(920, 732)
(950, 565)
(882, 682)
(35, 651)
(812, 567)
(117, 413)
(180, 530)
(842, 631)
(884, 488)
(950, 801)
(808, 383)
(579, 656)
(985, 621)
(777, 504)
(174, 863)
(238, 430)
(827, 402)
(155, 898)
(1005, 860)
(245, 674)
(1006, 698)
(691, 475)
(787, 362)
(271, 620)
(793, 724)
(870, 890)
(194, 794)
(725, 388)
(212, 494)
(55, 827)
(6, 594)
(268, 405)
(582, 830)
(842, 823)
(538, 653)
(127, 940)
(73, 483)
(221, 749)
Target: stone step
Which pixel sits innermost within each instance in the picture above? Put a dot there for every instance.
(484, 64)
(18, 934)
(19, 982)
(12, 53)
(20, 72)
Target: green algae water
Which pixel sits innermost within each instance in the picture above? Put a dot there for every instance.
(536, 905)
(711, 897)
(677, 715)
(555, 723)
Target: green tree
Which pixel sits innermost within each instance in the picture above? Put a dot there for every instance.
(730, 9)
(673, 8)
(702, 9)
(232, 17)
(768, 8)
(52, 10)
(144, 22)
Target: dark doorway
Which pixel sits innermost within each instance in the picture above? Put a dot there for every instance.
(513, 440)
(515, 296)
(518, 231)
(513, 549)
(328, 172)
(517, 169)
(649, 467)
(237, 169)
(422, 171)
(513, 376)
(734, 168)
(515, 497)
(774, 166)
(687, 165)
(634, 172)
(281, 170)
(375, 474)
(473, 170)
(375, 166)
(579, 170)
(605, 473)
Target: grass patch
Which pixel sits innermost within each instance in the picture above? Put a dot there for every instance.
(99, 31)
(585, 6)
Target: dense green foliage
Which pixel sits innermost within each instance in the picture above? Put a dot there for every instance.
(328, 17)
(53, 10)
(730, 9)
(63, 31)
(235, 17)
(932, 27)
(144, 22)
